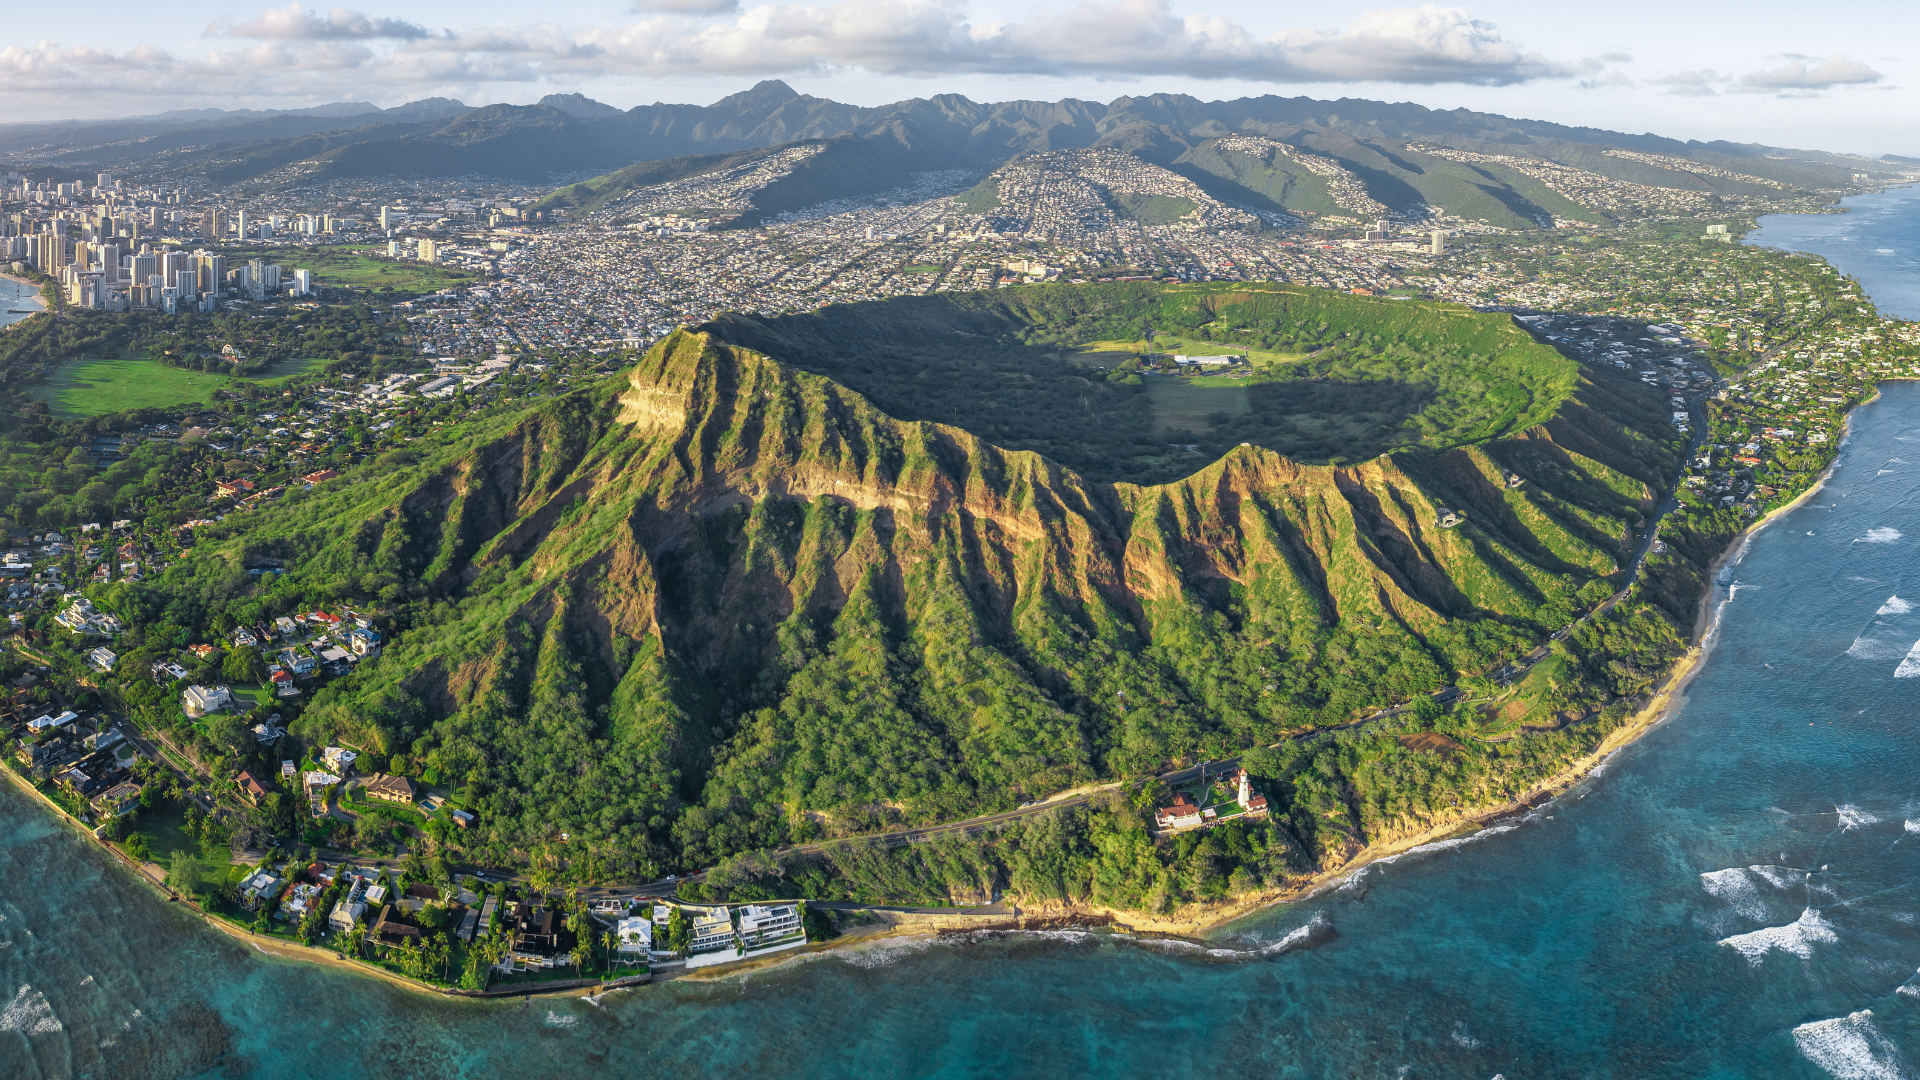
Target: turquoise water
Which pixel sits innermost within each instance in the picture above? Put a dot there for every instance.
(18, 299)
(1736, 895)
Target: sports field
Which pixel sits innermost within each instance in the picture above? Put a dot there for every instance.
(93, 387)
(355, 267)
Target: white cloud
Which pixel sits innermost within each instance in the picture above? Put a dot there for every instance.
(296, 23)
(1702, 83)
(1123, 39)
(686, 7)
(1805, 73)
(301, 54)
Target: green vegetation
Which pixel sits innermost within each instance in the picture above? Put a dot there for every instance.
(870, 621)
(981, 198)
(353, 268)
(1378, 376)
(1154, 209)
(94, 387)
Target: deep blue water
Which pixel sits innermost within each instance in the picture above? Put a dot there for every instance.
(1877, 241)
(1736, 895)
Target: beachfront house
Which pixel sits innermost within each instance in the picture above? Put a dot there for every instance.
(634, 937)
(764, 925)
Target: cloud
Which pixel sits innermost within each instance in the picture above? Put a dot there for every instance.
(685, 7)
(1122, 39)
(296, 23)
(1806, 73)
(296, 53)
(1701, 83)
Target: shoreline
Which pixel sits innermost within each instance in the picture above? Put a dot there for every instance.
(1193, 925)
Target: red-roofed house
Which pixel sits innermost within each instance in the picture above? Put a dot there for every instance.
(251, 787)
(320, 477)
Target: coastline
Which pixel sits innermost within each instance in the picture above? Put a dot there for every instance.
(1192, 923)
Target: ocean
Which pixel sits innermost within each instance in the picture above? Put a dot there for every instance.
(18, 299)
(1736, 895)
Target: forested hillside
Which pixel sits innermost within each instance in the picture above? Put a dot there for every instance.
(722, 604)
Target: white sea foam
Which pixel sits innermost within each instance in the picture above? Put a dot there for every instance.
(1894, 606)
(29, 1014)
(1780, 877)
(1461, 1038)
(1797, 937)
(1735, 888)
(1882, 535)
(1909, 988)
(1850, 1048)
(1913, 826)
(1910, 664)
(1852, 817)
(1449, 845)
(555, 1019)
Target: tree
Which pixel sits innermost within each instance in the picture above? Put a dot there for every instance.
(184, 875)
(244, 666)
(138, 847)
(679, 934)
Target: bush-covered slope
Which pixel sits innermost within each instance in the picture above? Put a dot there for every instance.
(727, 603)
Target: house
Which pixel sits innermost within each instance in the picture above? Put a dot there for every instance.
(338, 758)
(201, 700)
(251, 787)
(244, 638)
(469, 924)
(712, 928)
(345, 914)
(227, 489)
(390, 930)
(1181, 815)
(202, 650)
(118, 801)
(282, 679)
(635, 936)
(298, 661)
(535, 938)
(102, 659)
(166, 671)
(388, 788)
(261, 888)
(765, 924)
(464, 819)
(285, 627)
(363, 642)
(320, 477)
(419, 895)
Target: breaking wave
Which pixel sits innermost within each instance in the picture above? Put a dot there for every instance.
(1894, 606)
(1734, 887)
(555, 1019)
(1850, 1048)
(1913, 826)
(1910, 664)
(1317, 930)
(1852, 817)
(1448, 845)
(1882, 535)
(29, 1014)
(1797, 938)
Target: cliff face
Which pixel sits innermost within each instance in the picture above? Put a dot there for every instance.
(742, 587)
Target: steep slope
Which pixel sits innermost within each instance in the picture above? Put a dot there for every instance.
(728, 603)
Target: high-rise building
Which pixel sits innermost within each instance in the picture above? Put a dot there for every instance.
(302, 282)
(385, 219)
(213, 272)
(103, 181)
(1439, 242)
(110, 263)
(429, 251)
(270, 277)
(144, 268)
(240, 223)
(266, 230)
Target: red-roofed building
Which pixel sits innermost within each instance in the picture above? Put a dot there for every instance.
(251, 787)
(320, 477)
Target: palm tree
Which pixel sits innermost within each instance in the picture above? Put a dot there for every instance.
(581, 952)
(609, 939)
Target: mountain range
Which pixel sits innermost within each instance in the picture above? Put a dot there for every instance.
(1388, 148)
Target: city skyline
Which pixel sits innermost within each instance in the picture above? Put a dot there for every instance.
(1690, 74)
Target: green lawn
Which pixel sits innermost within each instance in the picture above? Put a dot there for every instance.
(354, 267)
(98, 385)
(1183, 404)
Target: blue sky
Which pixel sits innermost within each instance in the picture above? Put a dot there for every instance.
(1786, 74)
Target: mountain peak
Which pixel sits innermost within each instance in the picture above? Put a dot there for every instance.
(579, 105)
